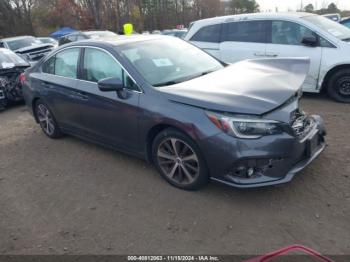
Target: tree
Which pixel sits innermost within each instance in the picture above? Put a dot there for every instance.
(244, 6)
(309, 8)
(332, 8)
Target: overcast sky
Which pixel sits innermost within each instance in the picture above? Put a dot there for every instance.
(284, 5)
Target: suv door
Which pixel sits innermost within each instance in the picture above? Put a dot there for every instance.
(208, 39)
(243, 40)
(108, 118)
(285, 40)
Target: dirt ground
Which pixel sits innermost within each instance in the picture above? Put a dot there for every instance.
(68, 196)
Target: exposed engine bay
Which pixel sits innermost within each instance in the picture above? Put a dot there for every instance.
(10, 86)
(11, 67)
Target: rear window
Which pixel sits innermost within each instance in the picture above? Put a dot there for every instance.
(209, 33)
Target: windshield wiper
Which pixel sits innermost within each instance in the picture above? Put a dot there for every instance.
(173, 82)
(165, 83)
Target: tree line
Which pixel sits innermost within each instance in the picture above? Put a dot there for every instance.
(40, 17)
(330, 9)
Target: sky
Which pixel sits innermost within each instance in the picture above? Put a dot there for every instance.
(284, 5)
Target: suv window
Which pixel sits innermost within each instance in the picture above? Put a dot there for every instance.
(246, 31)
(288, 33)
(209, 33)
(99, 65)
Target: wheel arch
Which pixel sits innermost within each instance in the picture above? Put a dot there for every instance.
(154, 131)
(34, 101)
(330, 73)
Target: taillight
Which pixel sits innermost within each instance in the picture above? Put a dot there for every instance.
(22, 78)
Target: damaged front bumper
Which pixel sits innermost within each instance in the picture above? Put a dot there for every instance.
(269, 161)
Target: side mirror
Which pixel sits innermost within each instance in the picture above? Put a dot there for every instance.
(309, 40)
(110, 84)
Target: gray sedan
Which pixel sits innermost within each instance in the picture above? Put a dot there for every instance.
(193, 117)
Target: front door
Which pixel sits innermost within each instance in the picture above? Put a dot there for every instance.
(285, 41)
(108, 117)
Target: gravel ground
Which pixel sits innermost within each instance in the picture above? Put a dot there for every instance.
(68, 196)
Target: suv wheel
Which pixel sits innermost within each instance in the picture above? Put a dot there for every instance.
(339, 86)
(46, 120)
(179, 160)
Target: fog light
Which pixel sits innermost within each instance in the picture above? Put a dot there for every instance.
(250, 171)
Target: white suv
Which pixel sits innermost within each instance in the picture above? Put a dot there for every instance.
(270, 35)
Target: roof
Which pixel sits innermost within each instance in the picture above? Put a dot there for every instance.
(119, 40)
(221, 19)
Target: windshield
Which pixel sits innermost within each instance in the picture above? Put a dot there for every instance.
(168, 61)
(22, 42)
(334, 28)
(8, 59)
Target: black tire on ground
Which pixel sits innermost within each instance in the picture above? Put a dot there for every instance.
(338, 86)
(183, 167)
(47, 120)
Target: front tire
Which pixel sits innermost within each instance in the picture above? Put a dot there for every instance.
(46, 120)
(179, 160)
(338, 86)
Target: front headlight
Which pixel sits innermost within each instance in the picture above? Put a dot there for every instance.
(245, 126)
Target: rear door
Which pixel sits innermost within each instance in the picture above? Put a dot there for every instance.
(242, 40)
(208, 39)
(57, 83)
(285, 40)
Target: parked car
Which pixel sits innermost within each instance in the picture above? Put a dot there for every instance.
(333, 17)
(250, 36)
(48, 40)
(195, 118)
(11, 67)
(346, 22)
(180, 33)
(28, 47)
(78, 36)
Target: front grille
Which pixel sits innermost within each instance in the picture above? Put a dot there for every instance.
(301, 124)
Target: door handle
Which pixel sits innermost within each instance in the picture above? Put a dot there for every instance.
(79, 95)
(45, 84)
(260, 54)
(271, 54)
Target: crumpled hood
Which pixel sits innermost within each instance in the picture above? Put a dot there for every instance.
(33, 47)
(247, 87)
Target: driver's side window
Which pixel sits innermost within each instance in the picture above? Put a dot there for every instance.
(288, 33)
(99, 65)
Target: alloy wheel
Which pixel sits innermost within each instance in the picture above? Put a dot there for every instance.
(178, 161)
(45, 119)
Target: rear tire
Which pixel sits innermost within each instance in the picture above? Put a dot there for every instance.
(46, 120)
(338, 86)
(179, 160)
